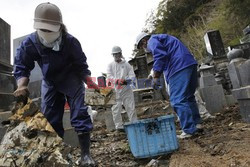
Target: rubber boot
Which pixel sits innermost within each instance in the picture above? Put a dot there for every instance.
(84, 141)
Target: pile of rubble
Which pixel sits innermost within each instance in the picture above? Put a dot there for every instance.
(31, 141)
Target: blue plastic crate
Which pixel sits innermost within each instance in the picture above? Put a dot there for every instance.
(152, 137)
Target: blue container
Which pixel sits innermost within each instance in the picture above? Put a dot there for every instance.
(152, 137)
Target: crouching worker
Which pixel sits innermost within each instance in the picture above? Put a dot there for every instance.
(64, 68)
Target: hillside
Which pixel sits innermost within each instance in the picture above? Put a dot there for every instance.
(191, 19)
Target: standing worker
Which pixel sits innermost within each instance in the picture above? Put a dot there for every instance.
(64, 68)
(121, 74)
(173, 59)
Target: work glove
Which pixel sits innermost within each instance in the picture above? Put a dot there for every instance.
(22, 87)
(156, 83)
(93, 85)
(96, 87)
(121, 82)
(128, 81)
(22, 91)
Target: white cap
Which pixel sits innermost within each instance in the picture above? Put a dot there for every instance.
(140, 37)
(47, 16)
(116, 49)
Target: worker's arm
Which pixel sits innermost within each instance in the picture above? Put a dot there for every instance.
(110, 76)
(23, 65)
(159, 53)
(130, 78)
(79, 60)
(22, 87)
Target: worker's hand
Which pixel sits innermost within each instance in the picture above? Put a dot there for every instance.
(96, 87)
(156, 83)
(22, 91)
(128, 81)
(93, 85)
(156, 74)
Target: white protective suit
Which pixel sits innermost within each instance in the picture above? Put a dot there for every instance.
(124, 94)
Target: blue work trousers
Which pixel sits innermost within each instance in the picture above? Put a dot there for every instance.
(182, 86)
(53, 103)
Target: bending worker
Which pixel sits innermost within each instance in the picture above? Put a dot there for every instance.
(64, 68)
(179, 67)
(121, 74)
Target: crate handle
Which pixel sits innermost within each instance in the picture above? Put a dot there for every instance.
(152, 126)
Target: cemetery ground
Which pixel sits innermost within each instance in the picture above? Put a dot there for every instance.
(224, 142)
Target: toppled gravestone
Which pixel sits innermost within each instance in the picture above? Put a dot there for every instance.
(31, 141)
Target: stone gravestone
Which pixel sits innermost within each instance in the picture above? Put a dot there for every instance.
(234, 72)
(7, 83)
(142, 67)
(239, 74)
(244, 71)
(243, 97)
(207, 77)
(4, 42)
(244, 46)
(142, 72)
(212, 94)
(214, 44)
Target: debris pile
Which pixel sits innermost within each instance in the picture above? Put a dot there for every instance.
(112, 148)
(31, 141)
(104, 98)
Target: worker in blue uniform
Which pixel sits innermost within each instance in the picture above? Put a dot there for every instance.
(64, 68)
(173, 59)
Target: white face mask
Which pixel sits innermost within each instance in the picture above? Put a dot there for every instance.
(49, 37)
(118, 57)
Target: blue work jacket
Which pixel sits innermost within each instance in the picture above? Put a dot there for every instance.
(170, 54)
(64, 69)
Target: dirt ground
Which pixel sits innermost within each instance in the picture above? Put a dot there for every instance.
(224, 142)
